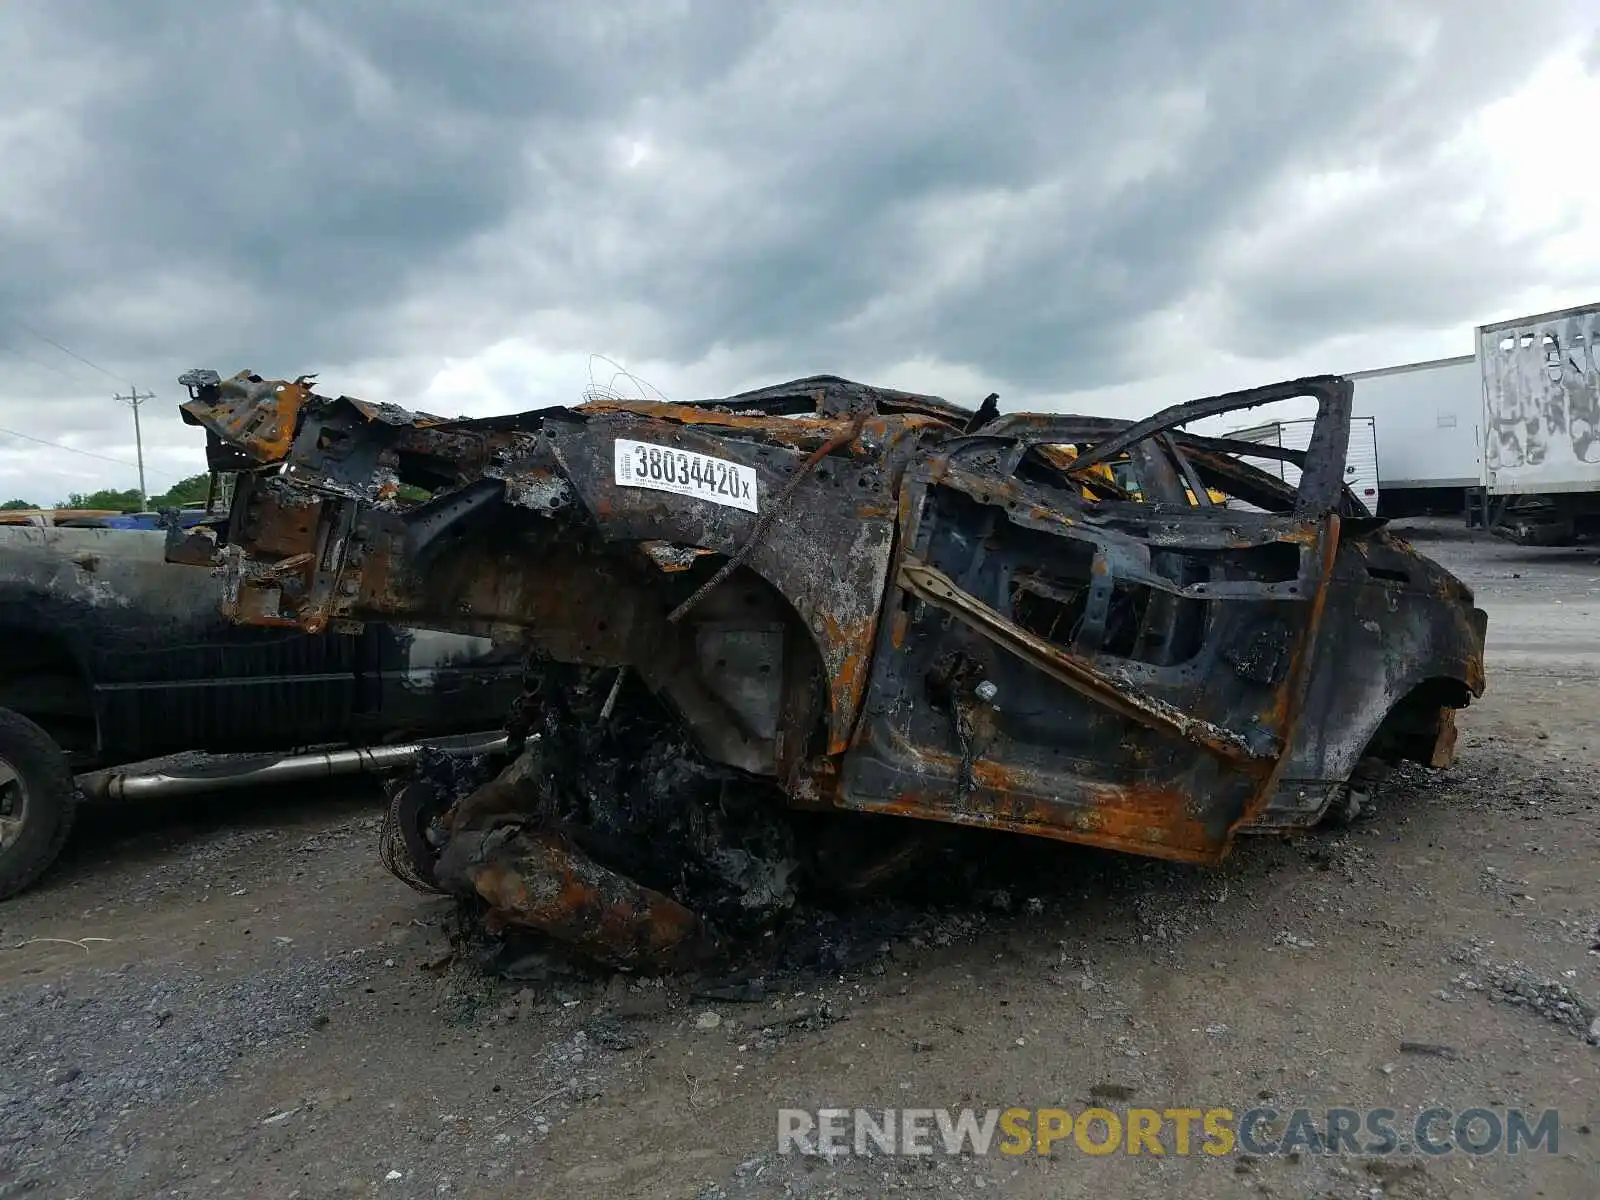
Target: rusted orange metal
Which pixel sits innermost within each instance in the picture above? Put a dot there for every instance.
(1149, 820)
(538, 881)
(253, 415)
(1291, 697)
(1444, 747)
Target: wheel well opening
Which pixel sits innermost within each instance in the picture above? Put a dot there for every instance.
(1411, 729)
(799, 700)
(41, 679)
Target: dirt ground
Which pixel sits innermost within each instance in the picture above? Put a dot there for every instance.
(232, 998)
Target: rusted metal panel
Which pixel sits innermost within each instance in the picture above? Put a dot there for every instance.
(873, 601)
(251, 416)
(539, 881)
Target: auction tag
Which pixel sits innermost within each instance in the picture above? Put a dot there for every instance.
(668, 469)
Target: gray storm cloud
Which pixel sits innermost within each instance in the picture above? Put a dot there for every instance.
(1017, 189)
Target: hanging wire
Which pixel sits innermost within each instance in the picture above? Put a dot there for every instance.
(609, 390)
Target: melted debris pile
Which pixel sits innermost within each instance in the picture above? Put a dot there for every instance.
(604, 793)
(634, 794)
(607, 830)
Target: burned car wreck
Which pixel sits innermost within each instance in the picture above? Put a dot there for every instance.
(825, 598)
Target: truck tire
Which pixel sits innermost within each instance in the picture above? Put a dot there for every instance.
(38, 801)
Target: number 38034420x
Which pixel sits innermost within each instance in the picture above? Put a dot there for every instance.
(685, 473)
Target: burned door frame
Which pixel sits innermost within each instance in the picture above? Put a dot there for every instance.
(1169, 751)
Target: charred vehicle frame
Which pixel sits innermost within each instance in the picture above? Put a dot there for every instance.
(861, 600)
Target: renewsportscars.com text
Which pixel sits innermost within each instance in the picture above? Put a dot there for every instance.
(1213, 1131)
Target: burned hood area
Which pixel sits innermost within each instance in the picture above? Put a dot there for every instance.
(781, 646)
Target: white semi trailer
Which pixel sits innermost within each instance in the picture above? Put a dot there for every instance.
(1428, 422)
(1361, 462)
(1541, 425)
(1415, 447)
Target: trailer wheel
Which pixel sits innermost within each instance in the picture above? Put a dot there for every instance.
(38, 801)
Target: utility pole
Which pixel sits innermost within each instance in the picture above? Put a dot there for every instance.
(133, 402)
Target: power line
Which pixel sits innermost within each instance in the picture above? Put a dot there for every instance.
(68, 352)
(28, 358)
(121, 462)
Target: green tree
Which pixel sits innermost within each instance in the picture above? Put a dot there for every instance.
(105, 498)
(184, 493)
(190, 491)
(17, 505)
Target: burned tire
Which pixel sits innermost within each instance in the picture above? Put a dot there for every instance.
(38, 801)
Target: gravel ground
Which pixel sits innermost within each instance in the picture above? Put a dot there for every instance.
(233, 999)
(127, 1038)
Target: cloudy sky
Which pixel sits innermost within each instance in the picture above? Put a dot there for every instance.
(1106, 205)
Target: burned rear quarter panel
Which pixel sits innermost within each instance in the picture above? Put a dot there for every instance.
(1397, 622)
(827, 551)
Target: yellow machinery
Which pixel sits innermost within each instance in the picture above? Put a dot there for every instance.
(1118, 473)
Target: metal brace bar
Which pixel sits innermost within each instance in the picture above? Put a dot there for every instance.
(935, 587)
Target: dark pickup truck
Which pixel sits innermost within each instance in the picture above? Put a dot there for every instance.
(111, 658)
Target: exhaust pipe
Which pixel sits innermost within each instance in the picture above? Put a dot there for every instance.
(162, 778)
